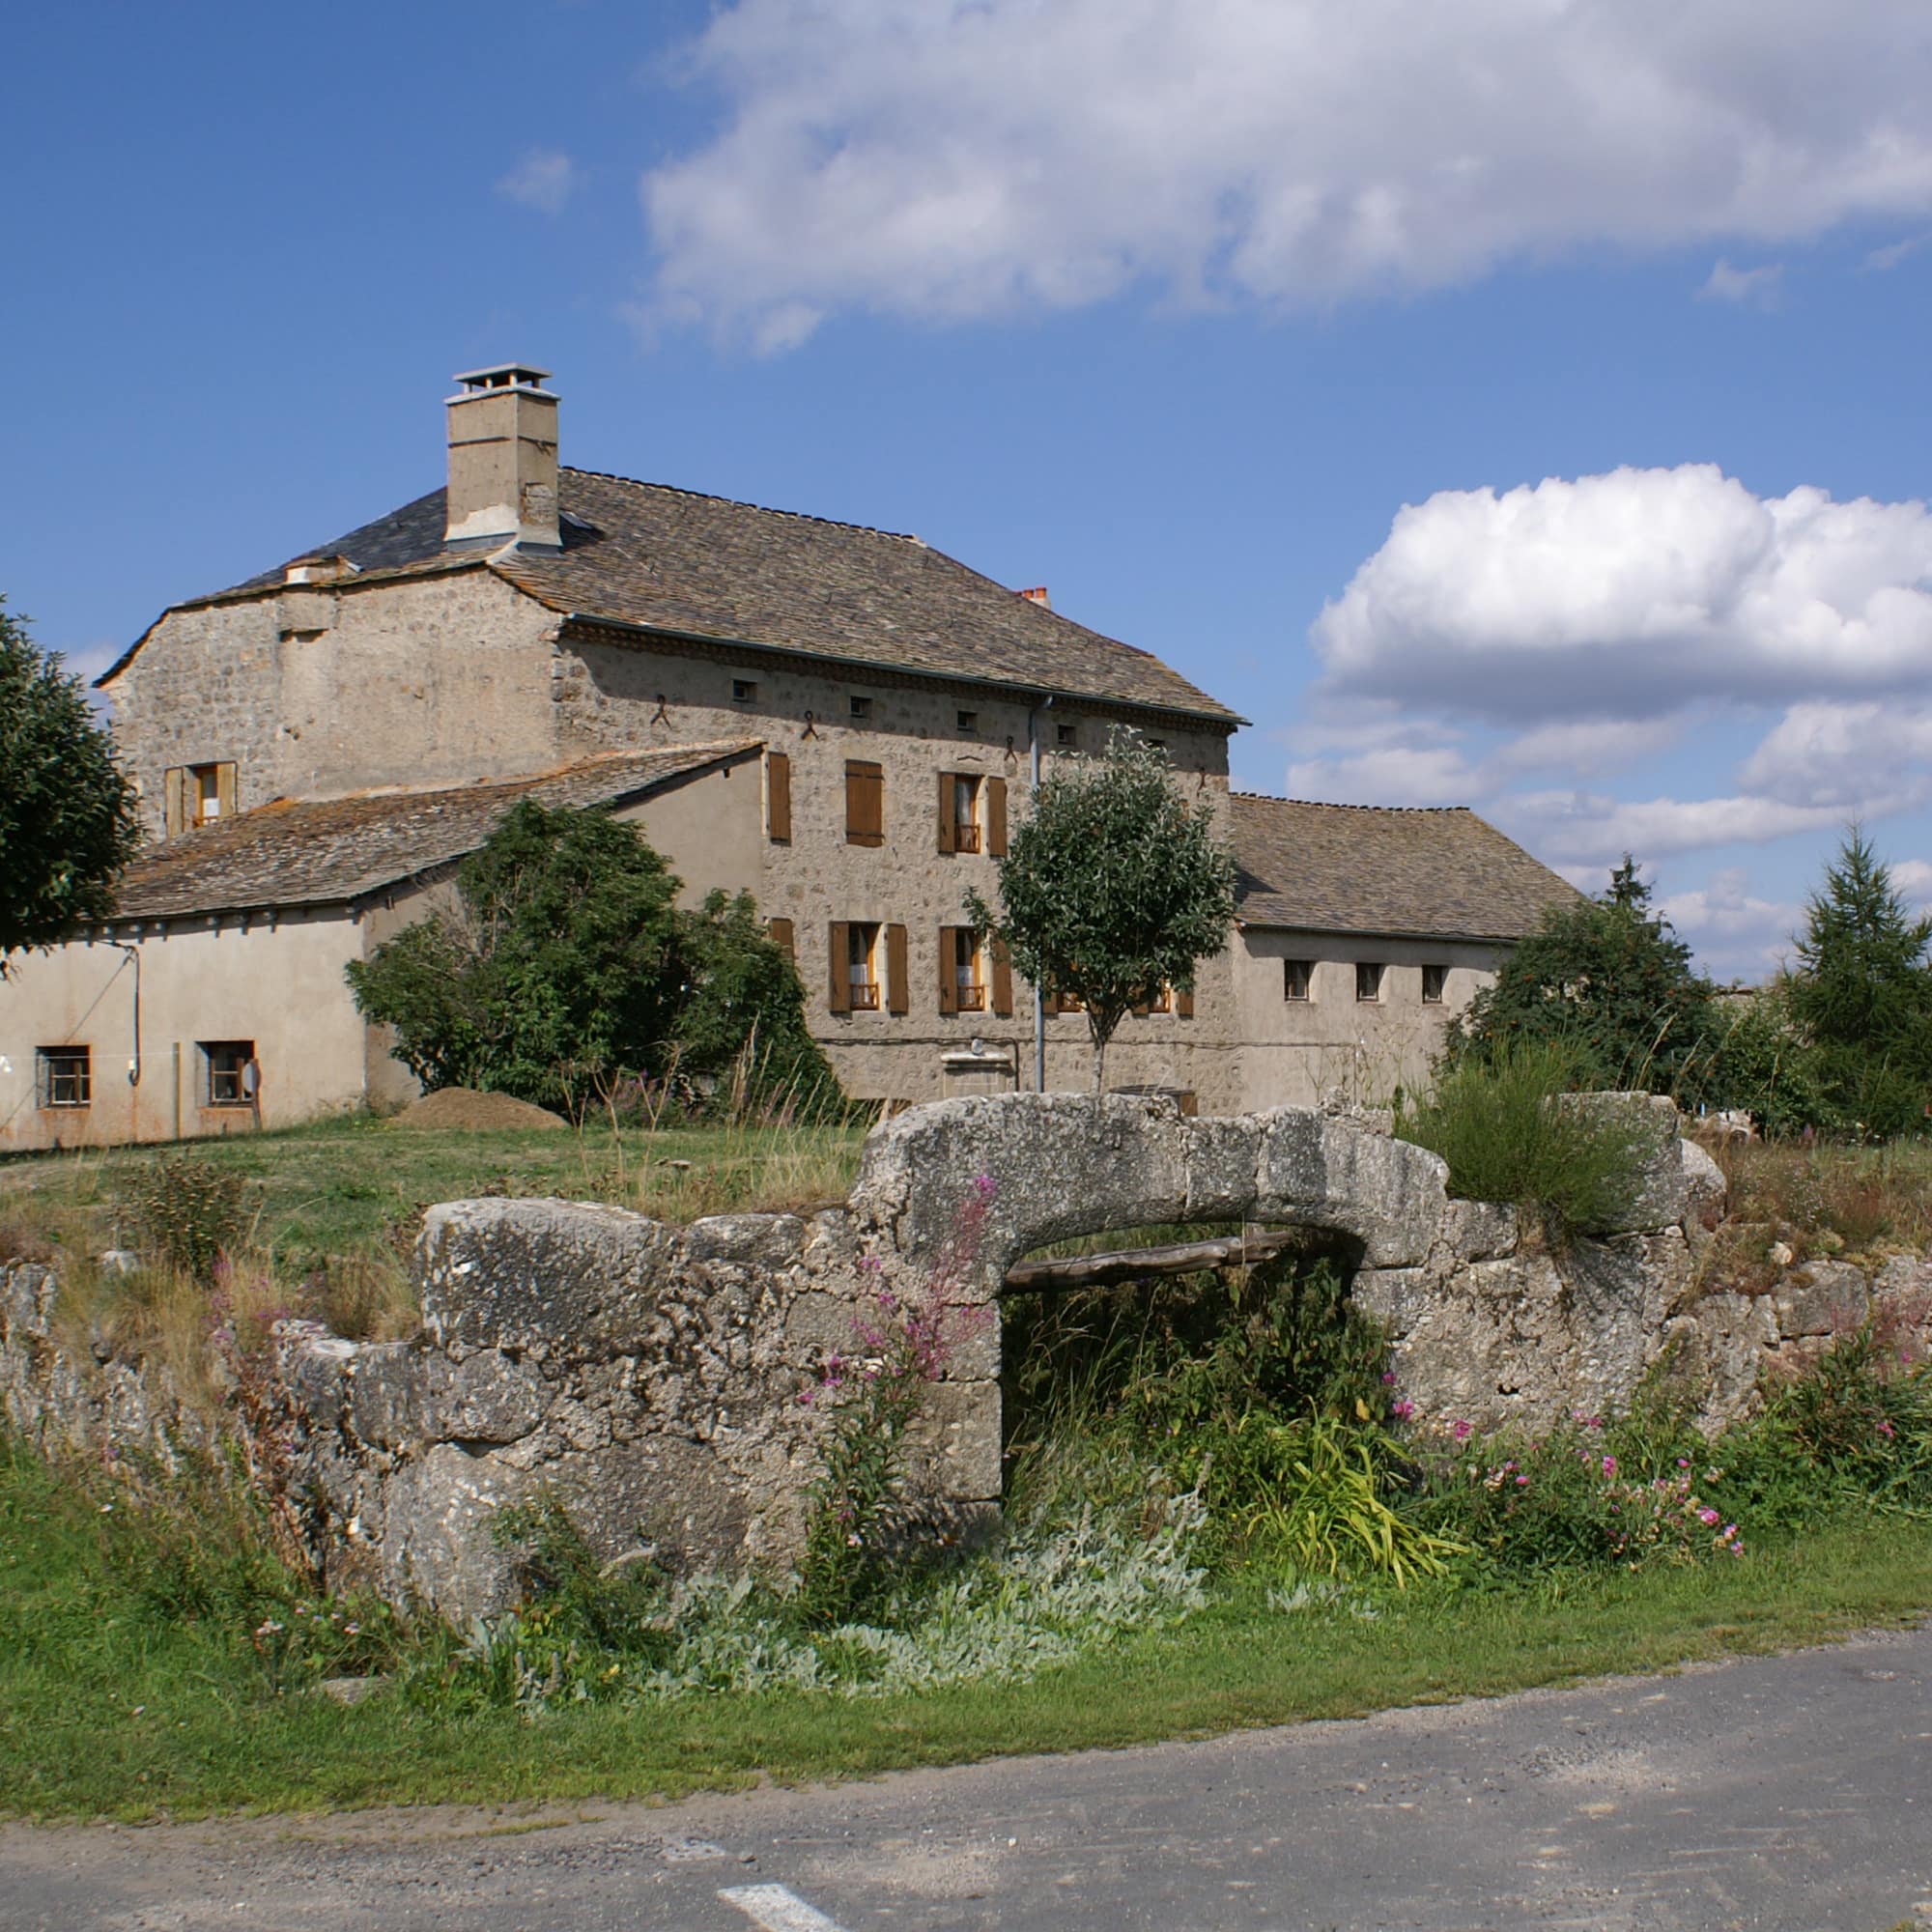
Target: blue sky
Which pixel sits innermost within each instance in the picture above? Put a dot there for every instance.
(1173, 307)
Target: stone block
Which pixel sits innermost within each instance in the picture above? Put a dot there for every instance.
(952, 1446)
(1221, 1154)
(565, 1280)
(1661, 1196)
(1706, 1191)
(758, 1241)
(439, 1542)
(1479, 1230)
(1821, 1298)
(489, 1399)
(389, 1393)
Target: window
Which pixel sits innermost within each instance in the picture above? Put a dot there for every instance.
(865, 804)
(969, 987)
(969, 723)
(230, 1074)
(198, 794)
(744, 691)
(1067, 736)
(1434, 980)
(65, 1076)
(862, 707)
(1297, 975)
(965, 813)
(861, 968)
(971, 813)
(1368, 980)
(778, 797)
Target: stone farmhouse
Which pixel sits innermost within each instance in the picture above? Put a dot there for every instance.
(842, 720)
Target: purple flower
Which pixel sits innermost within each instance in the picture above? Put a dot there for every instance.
(1463, 1431)
(1404, 1409)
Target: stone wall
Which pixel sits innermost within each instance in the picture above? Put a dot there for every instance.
(648, 1376)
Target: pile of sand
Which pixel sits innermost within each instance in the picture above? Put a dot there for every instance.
(465, 1109)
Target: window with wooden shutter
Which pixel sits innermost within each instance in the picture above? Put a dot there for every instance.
(1003, 980)
(947, 820)
(865, 804)
(896, 996)
(837, 948)
(784, 935)
(225, 791)
(175, 801)
(778, 797)
(963, 986)
(1184, 1005)
(996, 818)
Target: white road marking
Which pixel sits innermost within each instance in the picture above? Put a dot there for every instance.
(776, 1910)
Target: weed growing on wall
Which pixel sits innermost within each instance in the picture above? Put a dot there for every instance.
(185, 1212)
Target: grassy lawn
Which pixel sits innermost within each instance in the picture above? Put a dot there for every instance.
(340, 1187)
(110, 1708)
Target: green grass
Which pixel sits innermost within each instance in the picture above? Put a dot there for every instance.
(108, 1707)
(339, 1187)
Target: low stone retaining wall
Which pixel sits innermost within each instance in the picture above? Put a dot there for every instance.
(649, 1375)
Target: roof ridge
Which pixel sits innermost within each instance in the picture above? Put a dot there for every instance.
(744, 504)
(1333, 805)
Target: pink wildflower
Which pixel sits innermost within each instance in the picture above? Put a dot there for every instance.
(1404, 1409)
(1463, 1431)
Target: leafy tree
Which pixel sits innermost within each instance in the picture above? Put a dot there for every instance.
(1112, 888)
(67, 812)
(742, 1010)
(1607, 979)
(1863, 994)
(566, 967)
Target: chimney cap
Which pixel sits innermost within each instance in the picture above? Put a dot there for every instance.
(503, 376)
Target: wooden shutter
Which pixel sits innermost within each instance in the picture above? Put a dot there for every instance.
(778, 797)
(175, 800)
(839, 938)
(896, 1001)
(1184, 1005)
(865, 804)
(996, 818)
(784, 934)
(1003, 981)
(224, 789)
(949, 986)
(946, 843)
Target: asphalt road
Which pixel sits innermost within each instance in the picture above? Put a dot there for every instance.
(1789, 1792)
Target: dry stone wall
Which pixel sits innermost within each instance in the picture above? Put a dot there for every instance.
(648, 1376)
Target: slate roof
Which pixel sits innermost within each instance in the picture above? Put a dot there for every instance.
(645, 554)
(331, 851)
(1436, 873)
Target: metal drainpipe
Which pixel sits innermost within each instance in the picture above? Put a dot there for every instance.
(1039, 998)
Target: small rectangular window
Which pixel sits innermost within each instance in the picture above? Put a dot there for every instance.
(969, 723)
(862, 707)
(1434, 980)
(861, 966)
(198, 795)
(1368, 980)
(1296, 976)
(65, 1076)
(231, 1075)
(744, 691)
(1067, 736)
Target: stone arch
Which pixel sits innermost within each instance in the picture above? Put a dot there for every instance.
(1061, 1165)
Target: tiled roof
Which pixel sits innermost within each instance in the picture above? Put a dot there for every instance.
(334, 850)
(1374, 868)
(644, 555)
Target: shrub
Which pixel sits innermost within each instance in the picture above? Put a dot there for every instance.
(1507, 1136)
(186, 1212)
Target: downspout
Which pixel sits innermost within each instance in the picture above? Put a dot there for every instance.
(1038, 996)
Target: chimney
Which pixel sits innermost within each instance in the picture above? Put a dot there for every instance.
(1037, 595)
(502, 459)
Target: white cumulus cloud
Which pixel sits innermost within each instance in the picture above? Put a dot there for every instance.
(544, 179)
(1632, 594)
(1759, 285)
(953, 158)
